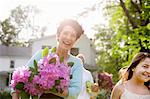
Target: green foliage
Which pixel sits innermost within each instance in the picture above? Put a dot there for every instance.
(127, 34)
(129, 39)
(52, 60)
(35, 67)
(45, 51)
(106, 60)
(103, 94)
(5, 95)
(20, 86)
(8, 34)
(12, 26)
(70, 64)
(24, 95)
(61, 59)
(53, 50)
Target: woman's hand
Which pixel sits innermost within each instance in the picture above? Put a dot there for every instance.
(64, 94)
(95, 87)
(15, 95)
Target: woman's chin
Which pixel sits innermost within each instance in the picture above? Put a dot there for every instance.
(65, 48)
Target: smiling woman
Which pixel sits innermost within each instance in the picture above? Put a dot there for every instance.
(137, 74)
(68, 33)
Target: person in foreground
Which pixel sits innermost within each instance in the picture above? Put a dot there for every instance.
(133, 85)
(87, 77)
(68, 33)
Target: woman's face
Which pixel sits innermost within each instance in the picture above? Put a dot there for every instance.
(67, 38)
(142, 71)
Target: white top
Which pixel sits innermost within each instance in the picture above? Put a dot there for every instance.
(130, 95)
(87, 76)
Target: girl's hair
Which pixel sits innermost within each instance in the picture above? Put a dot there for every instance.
(136, 60)
(74, 24)
(147, 84)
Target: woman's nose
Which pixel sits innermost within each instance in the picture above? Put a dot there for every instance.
(68, 37)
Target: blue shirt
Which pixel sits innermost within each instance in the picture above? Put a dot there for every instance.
(76, 72)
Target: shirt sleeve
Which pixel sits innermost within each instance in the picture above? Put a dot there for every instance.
(76, 81)
(91, 77)
(37, 56)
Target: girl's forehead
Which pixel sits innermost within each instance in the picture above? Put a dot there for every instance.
(145, 61)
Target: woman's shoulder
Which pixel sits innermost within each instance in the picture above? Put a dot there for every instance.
(120, 87)
(74, 58)
(117, 91)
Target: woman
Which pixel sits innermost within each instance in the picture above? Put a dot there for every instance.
(134, 79)
(68, 33)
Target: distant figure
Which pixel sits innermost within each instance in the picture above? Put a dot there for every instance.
(133, 85)
(122, 72)
(86, 79)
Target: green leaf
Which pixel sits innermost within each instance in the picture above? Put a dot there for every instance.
(31, 77)
(70, 64)
(20, 86)
(35, 66)
(31, 69)
(57, 82)
(52, 60)
(53, 50)
(148, 26)
(24, 95)
(61, 59)
(54, 90)
(34, 97)
(45, 51)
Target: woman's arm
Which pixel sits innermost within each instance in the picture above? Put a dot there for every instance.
(15, 95)
(117, 92)
(64, 94)
(76, 81)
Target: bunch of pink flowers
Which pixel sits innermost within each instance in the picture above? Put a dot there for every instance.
(105, 80)
(48, 74)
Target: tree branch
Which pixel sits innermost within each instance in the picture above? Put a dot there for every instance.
(134, 24)
(136, 7)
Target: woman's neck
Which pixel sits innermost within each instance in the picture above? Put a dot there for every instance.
(62, 53)
(137, 82)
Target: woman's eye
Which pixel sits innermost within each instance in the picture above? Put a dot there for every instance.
(145, 66)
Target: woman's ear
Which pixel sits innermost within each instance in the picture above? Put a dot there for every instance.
(133, 69)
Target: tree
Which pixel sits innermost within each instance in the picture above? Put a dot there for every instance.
(14, 24)
(131, 24)
(9, 34)
(129, 28)
(105, 59)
